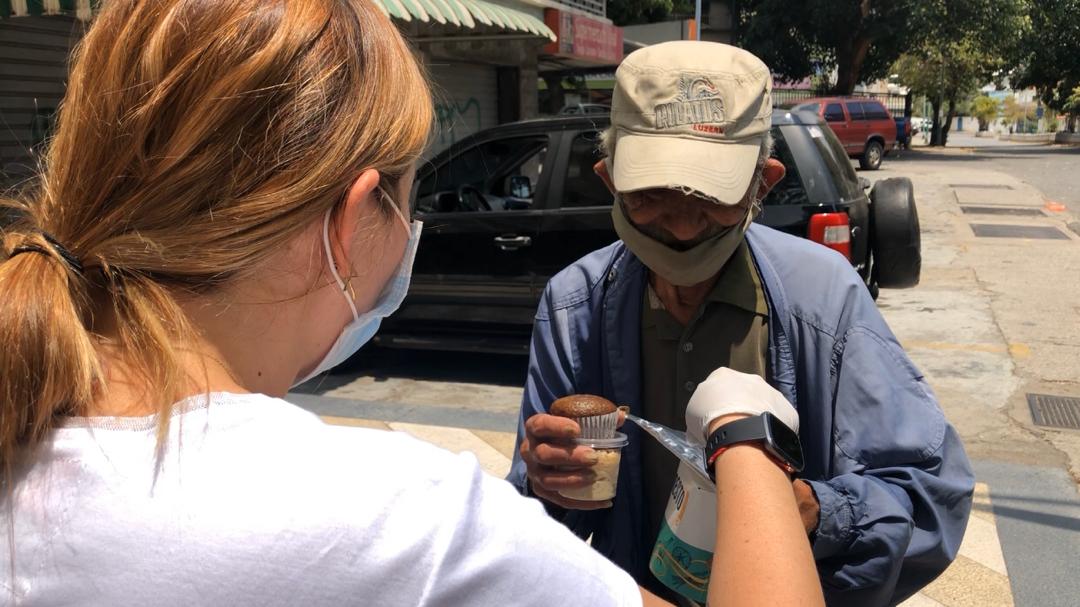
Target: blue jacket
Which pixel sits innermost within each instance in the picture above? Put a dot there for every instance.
(890, 473)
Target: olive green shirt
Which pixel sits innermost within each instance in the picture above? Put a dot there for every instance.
(730, 329)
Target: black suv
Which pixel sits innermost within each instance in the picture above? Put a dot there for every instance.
(507, 208)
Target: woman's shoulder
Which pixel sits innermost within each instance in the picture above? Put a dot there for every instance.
(280, 431)
(366, 512)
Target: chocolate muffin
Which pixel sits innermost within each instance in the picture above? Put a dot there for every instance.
(598, 418)
(582, 405)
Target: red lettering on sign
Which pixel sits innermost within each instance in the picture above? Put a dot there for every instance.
(584, 38)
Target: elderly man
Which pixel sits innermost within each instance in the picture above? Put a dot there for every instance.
(692, 286)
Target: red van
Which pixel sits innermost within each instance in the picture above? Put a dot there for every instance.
(864, 126)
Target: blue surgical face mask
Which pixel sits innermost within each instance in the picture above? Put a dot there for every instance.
(363, 326)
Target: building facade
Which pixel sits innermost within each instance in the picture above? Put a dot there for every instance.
(484, 58)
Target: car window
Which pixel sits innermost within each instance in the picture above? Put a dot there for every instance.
(875, 111)
(836, 162)
(855, 110)
(582, 188)
(834, 112)
(813, 107)
(495, 170)
(790, 190)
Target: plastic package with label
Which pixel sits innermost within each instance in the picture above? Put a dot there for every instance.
(682, 556)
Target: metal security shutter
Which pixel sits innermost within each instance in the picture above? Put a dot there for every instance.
(466, 100)
(33, 68)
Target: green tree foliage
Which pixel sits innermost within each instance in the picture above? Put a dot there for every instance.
(633, 12)
(1072, 108)
(1072, 104)
(964, 44)
(985, 109)
(799, 38)
(861, 39)
(1049, 55)
(1018, 113)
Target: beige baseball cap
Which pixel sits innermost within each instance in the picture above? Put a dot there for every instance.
(690, 114)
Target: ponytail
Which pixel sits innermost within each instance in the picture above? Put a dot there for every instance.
(47, 358)
(51, 362)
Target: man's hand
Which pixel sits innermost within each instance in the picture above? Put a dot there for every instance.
(554, 462)
(809, 509)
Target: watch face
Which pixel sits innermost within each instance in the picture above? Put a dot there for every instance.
(785, 441)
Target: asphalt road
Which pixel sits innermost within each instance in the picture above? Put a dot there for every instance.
(1054, 169)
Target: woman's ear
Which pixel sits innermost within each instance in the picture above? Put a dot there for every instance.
(361, 202)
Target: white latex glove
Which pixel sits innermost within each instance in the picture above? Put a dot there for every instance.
(727, 392)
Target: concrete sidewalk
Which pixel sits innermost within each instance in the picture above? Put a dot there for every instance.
(995, 319)
(996, 316)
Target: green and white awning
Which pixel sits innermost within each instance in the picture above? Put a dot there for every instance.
(83, 9)
(468, 14)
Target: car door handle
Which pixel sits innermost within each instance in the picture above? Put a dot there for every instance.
(511, 243)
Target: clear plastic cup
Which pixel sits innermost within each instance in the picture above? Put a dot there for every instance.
(609, 452)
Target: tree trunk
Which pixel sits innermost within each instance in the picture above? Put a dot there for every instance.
(948, 122)
(849, 61)
(935, 129)
(851, 54)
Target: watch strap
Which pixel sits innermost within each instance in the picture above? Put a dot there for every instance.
(747, 430)
(710, 463)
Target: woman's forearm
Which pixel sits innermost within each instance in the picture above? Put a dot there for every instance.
(762, 554)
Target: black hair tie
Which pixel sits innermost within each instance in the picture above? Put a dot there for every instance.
(68, 257)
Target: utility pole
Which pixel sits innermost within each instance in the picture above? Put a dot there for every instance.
(697, 20)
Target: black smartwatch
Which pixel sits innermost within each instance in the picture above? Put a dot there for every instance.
(778, 441)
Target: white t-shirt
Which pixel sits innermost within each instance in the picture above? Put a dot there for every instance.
(258, 502)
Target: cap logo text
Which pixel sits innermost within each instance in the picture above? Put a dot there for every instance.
(698, 102)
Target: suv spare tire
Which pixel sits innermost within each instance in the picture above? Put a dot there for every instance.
(895, 239)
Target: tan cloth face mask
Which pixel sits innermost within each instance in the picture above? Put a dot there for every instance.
(682, 268)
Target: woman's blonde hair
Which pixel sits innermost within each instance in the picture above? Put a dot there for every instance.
(197, 138)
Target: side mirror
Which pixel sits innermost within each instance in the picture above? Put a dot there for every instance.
(865, 183)
(521, 186)
(445, 202)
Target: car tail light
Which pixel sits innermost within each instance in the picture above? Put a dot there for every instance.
(833, 231)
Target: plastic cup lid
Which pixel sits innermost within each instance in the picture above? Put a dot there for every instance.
(617, 442)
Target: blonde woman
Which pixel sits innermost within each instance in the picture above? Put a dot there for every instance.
(221, 215)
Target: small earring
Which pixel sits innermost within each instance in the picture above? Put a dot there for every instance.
(349, 288)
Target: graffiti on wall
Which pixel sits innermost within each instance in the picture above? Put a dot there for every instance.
(457, 119)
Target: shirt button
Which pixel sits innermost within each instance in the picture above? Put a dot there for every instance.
(689, 386)
(688, 347)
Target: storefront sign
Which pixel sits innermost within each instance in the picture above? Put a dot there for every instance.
(584, 38)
